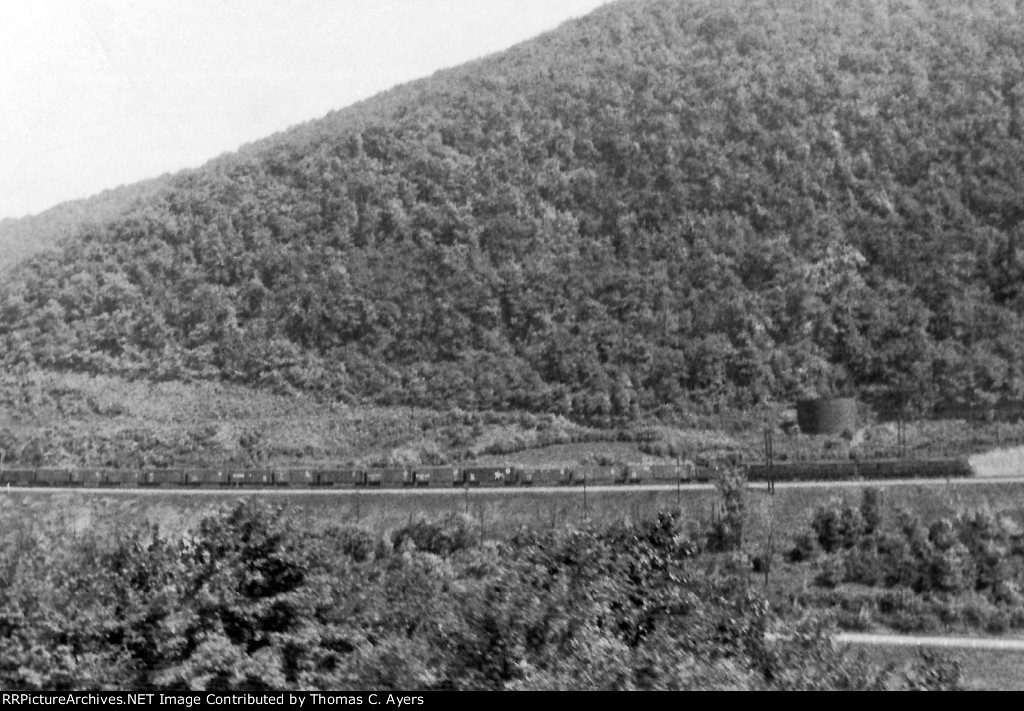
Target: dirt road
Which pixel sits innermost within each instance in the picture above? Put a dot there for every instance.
(891, 640)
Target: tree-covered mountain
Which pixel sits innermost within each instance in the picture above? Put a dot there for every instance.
(665, 202)
(21, 238)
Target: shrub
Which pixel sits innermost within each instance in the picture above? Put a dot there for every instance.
(726, 532)
(454, 533)
(803, 548)
(863, 564)
(942, 534)
(832, 572)
(357, 543)
(1017, 618)
(826, 526)
(998, 622)
(977, 612)
(871, 509)
(947, 571)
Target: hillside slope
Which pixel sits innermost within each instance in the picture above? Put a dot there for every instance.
(24, 237)
(662, 203)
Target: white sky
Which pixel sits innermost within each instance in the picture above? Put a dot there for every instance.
(99, 93)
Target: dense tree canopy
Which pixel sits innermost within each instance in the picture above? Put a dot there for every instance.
(664, 202)
(253, 600)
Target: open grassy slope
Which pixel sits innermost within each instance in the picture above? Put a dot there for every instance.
(67, 419)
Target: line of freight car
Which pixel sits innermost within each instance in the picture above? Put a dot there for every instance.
(485, 476)
(865, 469)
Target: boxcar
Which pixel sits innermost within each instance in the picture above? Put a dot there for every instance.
(490, 475)
(605, 474)
(545, 476)
(295, 478)
(164, 477)
(394, 476)
(208, 478)
(129, 477)
(577, 476)
(438, 477)
(339, 478)
(636, 473)
(17, 477)
(53, 477)
(683, 471)
(387, 477)
(261, 478)
(250, 478)
(877, 469)
(112, 477)
(90, 477)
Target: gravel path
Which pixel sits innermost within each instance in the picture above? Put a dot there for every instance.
(1016, 645)
(999, 463)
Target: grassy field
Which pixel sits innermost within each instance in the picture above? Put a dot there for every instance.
(984, 670)
(503, 511)
(67, 420)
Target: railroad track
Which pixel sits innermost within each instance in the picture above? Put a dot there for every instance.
(506, 491)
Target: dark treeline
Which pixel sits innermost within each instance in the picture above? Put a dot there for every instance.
(660, 204)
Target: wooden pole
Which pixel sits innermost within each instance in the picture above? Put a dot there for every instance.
(584, 496)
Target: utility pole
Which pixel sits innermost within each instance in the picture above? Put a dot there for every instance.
(584, 495)
(679, 482)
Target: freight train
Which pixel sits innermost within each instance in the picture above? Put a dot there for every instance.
(683, 472)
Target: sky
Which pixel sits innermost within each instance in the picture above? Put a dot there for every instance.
(100, 93)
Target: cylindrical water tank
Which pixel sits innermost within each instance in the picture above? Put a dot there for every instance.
(833, 415)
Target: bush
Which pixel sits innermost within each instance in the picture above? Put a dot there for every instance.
(1017, 618)
(454, 533)
(942, 534)
(948, 570)
(864, 565)
(871, 509)
(998, 622)
(977, 613)
(726, 532)
(803, 549)
(357, 543)
(837, 525)
(832, 573)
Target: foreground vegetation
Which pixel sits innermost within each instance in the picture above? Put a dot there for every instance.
(250, 600)
(888, 567)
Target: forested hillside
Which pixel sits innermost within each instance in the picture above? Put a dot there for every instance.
(664, 203)
(22, 238)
